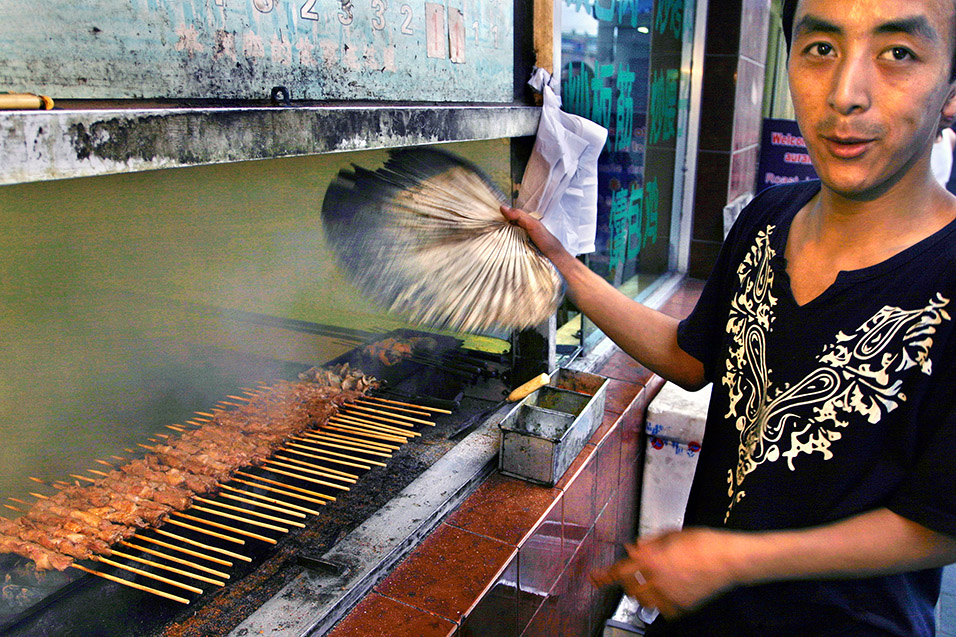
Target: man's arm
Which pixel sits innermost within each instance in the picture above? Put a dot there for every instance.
(678, 571)
(645, 334)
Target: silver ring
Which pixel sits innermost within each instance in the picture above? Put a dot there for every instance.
(640, 578)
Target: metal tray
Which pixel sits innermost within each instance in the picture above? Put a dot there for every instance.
(544, 434)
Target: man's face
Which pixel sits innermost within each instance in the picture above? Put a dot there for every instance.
(870, 80)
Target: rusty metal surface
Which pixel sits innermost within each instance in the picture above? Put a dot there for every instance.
(455, 50)
(59, 144)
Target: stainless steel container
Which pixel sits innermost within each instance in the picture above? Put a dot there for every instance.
(544, 434)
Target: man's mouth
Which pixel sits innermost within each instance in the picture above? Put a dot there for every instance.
(847, 147)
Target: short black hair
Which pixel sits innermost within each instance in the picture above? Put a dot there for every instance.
(790, 10)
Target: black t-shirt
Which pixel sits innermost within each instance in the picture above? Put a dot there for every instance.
(827, 410)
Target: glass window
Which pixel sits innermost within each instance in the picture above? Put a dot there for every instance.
(624, 65)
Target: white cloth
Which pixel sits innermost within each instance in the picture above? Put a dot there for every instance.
(941, 159)
(560, 181)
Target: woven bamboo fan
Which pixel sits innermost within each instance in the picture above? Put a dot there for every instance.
(424, 236)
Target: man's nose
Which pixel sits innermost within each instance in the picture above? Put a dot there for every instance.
(851, 85)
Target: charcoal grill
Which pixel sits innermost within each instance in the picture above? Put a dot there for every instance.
(445, 377)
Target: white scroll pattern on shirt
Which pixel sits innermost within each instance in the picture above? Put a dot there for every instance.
(858, 380)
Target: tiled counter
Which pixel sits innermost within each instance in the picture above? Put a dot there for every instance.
(514, 557)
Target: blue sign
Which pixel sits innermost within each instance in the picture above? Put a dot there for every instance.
(783, 155)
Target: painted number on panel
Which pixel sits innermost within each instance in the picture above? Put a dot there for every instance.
(345, 13)
(456, 35)
(407, 22)
(436, 39)
(265, 6)
(378, 21)
(307, 11)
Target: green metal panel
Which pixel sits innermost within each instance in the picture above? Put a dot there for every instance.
(411, 50)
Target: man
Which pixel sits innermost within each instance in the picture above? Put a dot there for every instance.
(825, 495)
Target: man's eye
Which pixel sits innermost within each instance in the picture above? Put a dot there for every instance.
(899, 53)
(821, 48)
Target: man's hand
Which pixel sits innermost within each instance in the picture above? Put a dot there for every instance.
(675, 572)
(546, 242)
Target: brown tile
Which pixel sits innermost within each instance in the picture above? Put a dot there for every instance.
(541, 558)
(379, 615)
(506, 509)
(579, 504)
(449, 572)
(604, 553)
(608, 467)
(620, 394)
(609, 422)
(497, 612)
(629, 502)
(546, 618)
(632, 429)
(571, 474)
(577, 591)
(621, 366)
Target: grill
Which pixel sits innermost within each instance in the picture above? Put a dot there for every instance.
(207, 567)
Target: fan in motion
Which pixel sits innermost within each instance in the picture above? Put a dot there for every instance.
(424, 236)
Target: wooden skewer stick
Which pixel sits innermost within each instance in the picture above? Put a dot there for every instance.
(356, 443)
(124, 582)
(315, 494)
(376, 419)
(206, 414)
(104, 463)
(312, 464)
(177, 560)
(98, 473)
(339, 455)
(139, 571)
(214, 560)
(366, 400)
(378, 426)
(391, 415)
(19, 500)
(281, 492)
(225, 527)
(242, 398)
(59, 484)
(398, 402)
(73, 475)
(264, 516)
(298, 476)
(312, 471)
(38, 496)
(352, 439)
(198, 422)
(280, 505)
(175, 428)
(164, 436)
(171, 569)
(191, 527)
(262, 505)
(357, 429)
(326, 458)
(36, 480)
(120, 458)
(239, 518)
(344, 421)
(13, 508)
(342, 447)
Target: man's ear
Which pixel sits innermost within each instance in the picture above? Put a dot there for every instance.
(948, 114)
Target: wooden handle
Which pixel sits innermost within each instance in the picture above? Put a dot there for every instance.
(24, 101)
(530, 387)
